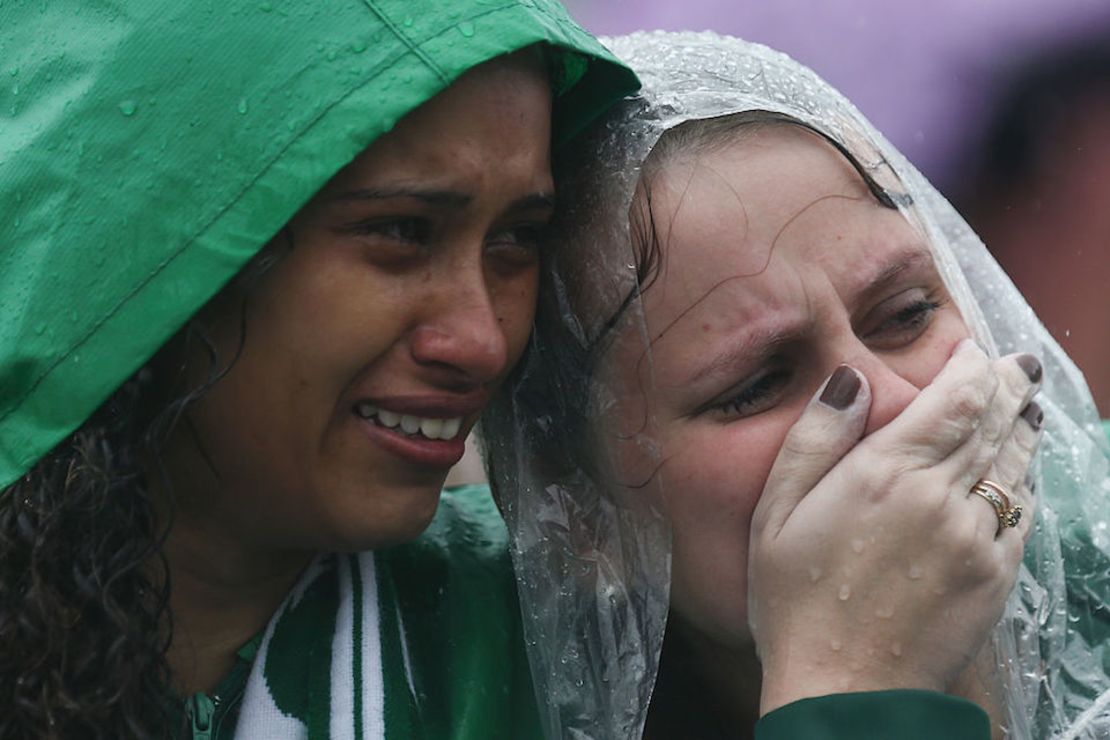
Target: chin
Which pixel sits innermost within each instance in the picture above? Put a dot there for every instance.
(380, 527)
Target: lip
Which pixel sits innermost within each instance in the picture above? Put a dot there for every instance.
(433, 453)
(433, 406)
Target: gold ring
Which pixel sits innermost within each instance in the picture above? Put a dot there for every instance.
(1008, 514)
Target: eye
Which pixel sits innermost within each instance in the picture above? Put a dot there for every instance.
(900, 320)
(755, 396)
(400, 230)
(518, 245)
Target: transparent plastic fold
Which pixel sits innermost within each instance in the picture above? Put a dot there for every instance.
(593, 563)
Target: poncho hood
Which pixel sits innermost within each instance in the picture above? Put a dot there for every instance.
(149, 148)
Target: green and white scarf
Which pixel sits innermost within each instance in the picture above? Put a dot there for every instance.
(417, 641)
(337, 693)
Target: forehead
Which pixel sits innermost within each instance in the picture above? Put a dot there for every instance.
(495, 117)
(778, 196)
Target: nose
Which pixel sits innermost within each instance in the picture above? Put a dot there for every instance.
(459, 334)
(890, 391)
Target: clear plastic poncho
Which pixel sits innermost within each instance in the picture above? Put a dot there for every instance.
(593, 563)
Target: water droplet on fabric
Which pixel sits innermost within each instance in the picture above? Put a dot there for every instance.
(845, 592)
(358, 47)
(466, 28)
(128, 107)
(266, 7)
(243, 107)
(407, 22)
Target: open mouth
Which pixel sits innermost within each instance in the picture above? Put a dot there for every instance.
(409, 424)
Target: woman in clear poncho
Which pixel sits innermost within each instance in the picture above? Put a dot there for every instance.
(592, 544)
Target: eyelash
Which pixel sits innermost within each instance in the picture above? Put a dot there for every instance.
(757, 395)
(402, 230)
(526, 236)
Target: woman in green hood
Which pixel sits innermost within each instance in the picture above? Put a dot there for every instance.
(260, 270)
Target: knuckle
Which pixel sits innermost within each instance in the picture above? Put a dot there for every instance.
(967, 403)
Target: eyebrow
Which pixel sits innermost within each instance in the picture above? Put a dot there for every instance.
(754, 345)
(761, 343)
(450, 199)
(907, 259)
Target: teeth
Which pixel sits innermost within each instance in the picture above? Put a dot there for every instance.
(431, 428)
(426, 427)
(410, 424)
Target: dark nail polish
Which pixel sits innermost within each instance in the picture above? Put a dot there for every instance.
(1032, 367)
(841, 389)
(1034, 415)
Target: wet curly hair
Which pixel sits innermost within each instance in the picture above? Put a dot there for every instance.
(84, 583)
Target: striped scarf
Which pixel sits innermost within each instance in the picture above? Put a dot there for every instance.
(319, 674)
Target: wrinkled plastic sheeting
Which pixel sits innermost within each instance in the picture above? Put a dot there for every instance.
(593, 568)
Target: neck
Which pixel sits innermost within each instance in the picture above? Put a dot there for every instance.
(219, 600)
(224, 585)
(700, 678)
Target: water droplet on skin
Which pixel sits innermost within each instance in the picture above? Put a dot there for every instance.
(885, 612)
(915, 573)
(128, 107)
(814, 574)
(857, 546)
(836, 645)
(243, 107)
(845, 592)
(466, 28)
(896, 649)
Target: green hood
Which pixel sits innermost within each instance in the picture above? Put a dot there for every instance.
(149, 148)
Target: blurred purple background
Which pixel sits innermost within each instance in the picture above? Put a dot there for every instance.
(921, 71)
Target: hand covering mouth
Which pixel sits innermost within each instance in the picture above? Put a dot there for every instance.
(410, 424)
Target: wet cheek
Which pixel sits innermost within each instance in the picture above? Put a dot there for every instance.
(715, 479)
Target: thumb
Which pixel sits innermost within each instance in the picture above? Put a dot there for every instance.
(830, 425)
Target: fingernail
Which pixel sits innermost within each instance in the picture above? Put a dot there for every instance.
(841, 389)
(1032, 367)
(1034, 415)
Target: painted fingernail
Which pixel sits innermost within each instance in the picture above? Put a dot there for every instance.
(1032, 367)
(841, 389)
(1033, 414)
